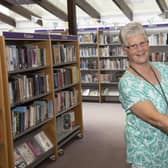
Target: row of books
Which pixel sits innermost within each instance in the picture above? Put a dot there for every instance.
(27, 152)
(110, 92)
(106, 51)
(104, 92)
(111, 77)
(90, 92)
(88, 51)
(89, 77)
(23, 87)
(109, 38)
(158, 38)
(27, 116)
(105, 37)
(113, 38)
(114, 64)
(89, 64)
(88, 37)
(104, 78)
(66, 99)
(26, 56)
(65, 123)
(65, 76)
(159, 56)
(63, 53)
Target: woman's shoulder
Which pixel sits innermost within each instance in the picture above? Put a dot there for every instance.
(160, 65)
(126, 75)
(127, 78)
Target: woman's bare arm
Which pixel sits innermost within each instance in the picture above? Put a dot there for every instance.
(147, 111)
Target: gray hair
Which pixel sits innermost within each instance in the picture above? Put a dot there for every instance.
(130, 30)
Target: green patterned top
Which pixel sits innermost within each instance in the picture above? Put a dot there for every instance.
(147, 145)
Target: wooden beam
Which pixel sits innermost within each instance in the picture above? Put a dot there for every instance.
(52, 9)
(162, 5)
(21, 11)
(124, 8)
(14, 2)
(6, 19)
(72, 17)
(85, 6)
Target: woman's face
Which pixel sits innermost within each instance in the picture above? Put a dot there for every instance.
(137, 49)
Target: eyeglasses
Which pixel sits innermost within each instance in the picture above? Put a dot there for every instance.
(135, 46)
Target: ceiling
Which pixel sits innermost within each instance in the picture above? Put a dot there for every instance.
(89, 13)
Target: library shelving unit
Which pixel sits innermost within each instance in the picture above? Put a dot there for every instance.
(89, 64)
(3, 130)
(158, 41)
(113, 63)
(102, 52)
(67, 88)
(31, 102)
(27, 77)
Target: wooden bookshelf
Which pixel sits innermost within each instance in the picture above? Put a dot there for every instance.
(89, 64)
(31, 106)
(3, 129)
(67, 88)
(100, 83)
(158, 41)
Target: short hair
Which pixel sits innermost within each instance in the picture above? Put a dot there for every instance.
(129, 30)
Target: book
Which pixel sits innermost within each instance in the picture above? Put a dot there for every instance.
(35, 147)
(56, 54)
(93, 92)
(59, 126)
(75, 77)
(66, 117)
(68, 120)
(19, 161)
(72, 113)
(85, 92)
(26, 153)
(44, 142)
(110, 92)
(19, 119)
(50, 109)
(43, 109)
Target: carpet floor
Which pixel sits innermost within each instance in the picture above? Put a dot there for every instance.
(102, 145)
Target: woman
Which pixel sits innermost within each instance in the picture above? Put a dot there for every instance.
(144, 96)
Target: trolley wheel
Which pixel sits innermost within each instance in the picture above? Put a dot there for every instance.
(80, 136)
(61, 152)
(52, 157)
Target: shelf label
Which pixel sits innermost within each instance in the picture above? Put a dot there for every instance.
(28, 36)
(22, 36)
(64, 37)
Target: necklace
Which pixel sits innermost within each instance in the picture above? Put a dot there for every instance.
(162, 93)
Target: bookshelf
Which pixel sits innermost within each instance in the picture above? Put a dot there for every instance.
(3, 131)
(102, 63)
(113, 63)
(67, 88)
(89, 64)
(36, 80)
(158, 41)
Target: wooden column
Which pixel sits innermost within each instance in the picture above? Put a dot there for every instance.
(72, 17)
